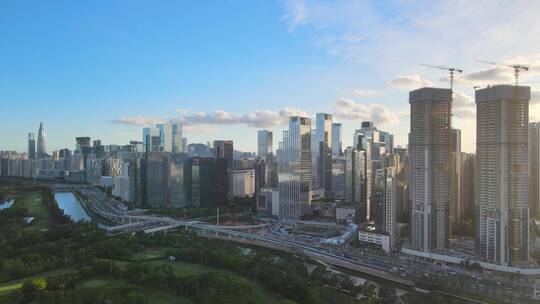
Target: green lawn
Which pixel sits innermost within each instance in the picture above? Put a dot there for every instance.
(32, 202)
(262, 294)
(183, 269)
(13, 285)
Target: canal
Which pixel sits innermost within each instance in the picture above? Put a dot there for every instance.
(72, 207)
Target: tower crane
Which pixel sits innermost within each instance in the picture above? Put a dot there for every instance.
(517, 68)
(450, 69)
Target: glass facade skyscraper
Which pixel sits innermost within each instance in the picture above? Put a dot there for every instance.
(294, 170)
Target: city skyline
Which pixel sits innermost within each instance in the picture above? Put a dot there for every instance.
(327, 63)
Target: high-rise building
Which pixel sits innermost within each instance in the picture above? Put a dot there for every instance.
(156, 179)
(178, 193)
(402, 180)
(294, 170)
(534, 169)
(241, 183)
(323, 132)
(357, 179)
(323, 152)
(337, 142)
(376, 144)
(265, 147)
(170, 137)
(82, 141)
(502, 191)
(455, 176)
(429, 148)
(41, 146)
(151, 139)
(339, 165)
(390, 196)
(467, 182)
(31, 146)
(206, 182)
(224, 149)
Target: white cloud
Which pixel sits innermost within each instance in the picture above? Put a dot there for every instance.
(204, 120)
(138, 120)
(348, 109)
(397, 35)
(412, 81)
(296, 13)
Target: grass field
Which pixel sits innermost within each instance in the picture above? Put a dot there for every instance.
(262, 294)
(36, 209)
(14, 285)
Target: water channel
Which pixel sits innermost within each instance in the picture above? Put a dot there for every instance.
(72, 207)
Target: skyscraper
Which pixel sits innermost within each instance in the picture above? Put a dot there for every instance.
(357, 177)
(337, 143)
(294, 170)
(41, 147)
(82, 142)
(151, 139)
(455, 176)
(265, 144)
(31, 146)
(224, 149)
(502, 191)
(534, 168)
(323, 156)
(206, 182)
(429, 148)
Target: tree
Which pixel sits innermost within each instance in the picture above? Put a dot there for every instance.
(387, 294)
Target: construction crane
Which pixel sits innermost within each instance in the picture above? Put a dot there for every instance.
(450, 69)
(517, 68)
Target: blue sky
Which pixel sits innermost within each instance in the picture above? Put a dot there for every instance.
(228, 68)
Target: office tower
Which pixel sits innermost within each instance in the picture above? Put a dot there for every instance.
(94, 171)
(402, 180)
(31, 146)
(82, 142)
(534, 169)
(502, 191)
(170, 137)
(64, 153)
(99, 149)
(390, 196)
(156, 179)
(41, 146)
(383, 142)
(184, 145)
(467, 182)
(178, 193)
(241, 183)
(455, 175)
(224, 149)
(339, 165)
(260, 177)
(265, 145)
(337, 143)
(206, 182)
(429, 149)
(151, 139)
(177, 139)
(294, 170)
(323, 152)
(111, 166)
(358, 176)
